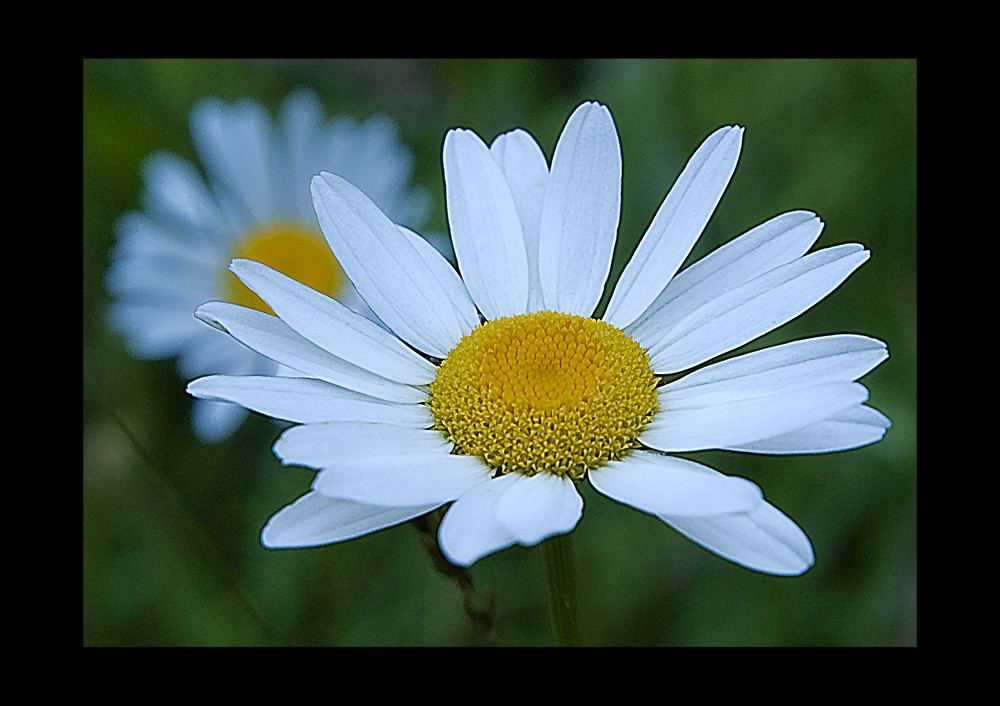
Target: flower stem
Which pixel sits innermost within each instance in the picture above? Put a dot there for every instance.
(560, 573)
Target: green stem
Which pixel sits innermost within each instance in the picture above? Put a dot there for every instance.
(560, 574)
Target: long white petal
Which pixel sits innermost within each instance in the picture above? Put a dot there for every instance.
(665, 485)
(389, 273)
(754, 308)
(470, 529)
(803, 363)
(855, 426)
(446, 276)
(315, 519)
(485, 227)
(693, 424)
(392, 481)
(771, 244)
(762, 539)
(324, 445)
(677, 225)
(533, 508)
(523, 164)
(333, 327)
(306, 400)
(579, 222)
(272, 338)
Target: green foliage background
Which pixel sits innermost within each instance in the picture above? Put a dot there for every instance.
(170, 526)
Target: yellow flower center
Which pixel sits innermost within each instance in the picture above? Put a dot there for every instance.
(292, 249)
(544, 392)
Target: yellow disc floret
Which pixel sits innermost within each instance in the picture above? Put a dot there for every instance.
(292, 249)
(544, 392)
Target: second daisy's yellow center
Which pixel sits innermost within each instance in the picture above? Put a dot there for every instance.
(544, 392)
(293, 250)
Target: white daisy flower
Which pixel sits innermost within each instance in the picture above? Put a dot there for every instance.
(496, 392)
(253, 203)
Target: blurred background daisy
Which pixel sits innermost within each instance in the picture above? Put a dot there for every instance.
(171, 524)
(253, 203)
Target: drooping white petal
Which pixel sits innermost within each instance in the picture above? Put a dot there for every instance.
(771, 244)
(693, 423)
(803, 363)
(762, 539)
(394, 480)
(306, 400)
(579, 223)
(677, 225)
(470, 529)
(324, 445)
(485, 227)
(527, 172)
(539, 506)
(333, 327)
(665, 485)
(853, 427)
(271, 337)
(315, 519)
(389, 273)
(752, 309)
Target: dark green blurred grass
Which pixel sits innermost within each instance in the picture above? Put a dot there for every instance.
(171, 553)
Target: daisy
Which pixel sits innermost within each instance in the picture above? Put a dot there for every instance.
(495, 390)
(253, 203)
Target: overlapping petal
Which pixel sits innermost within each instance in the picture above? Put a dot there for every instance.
(390, 274)
(771, 244)
(752, 309)
(485, 227)
(307, 400)
(665, 485)
(523, 164)
(579, 221)
(325, 445)
(848, 429)
(695, 423)
(271, 337)
(333, 327)
(762, 539)
(424, 478)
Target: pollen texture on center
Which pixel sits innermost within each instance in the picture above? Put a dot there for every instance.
(544, 392)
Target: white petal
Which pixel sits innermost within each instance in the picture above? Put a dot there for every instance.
(771, 244)
(315, 519)
(676, 226)
(533, 508)
(485, 227)
(391, 481)
(470, 529)
(445, 275)
(389, 273)
(579, 222)
(333, 327)
(271, 337)
(306, 400)
(523, 164)
(324, 445)
(804, 363)
(762, 539)
(693, 423)
(664, 485)
(754, 308)
(856, 426)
